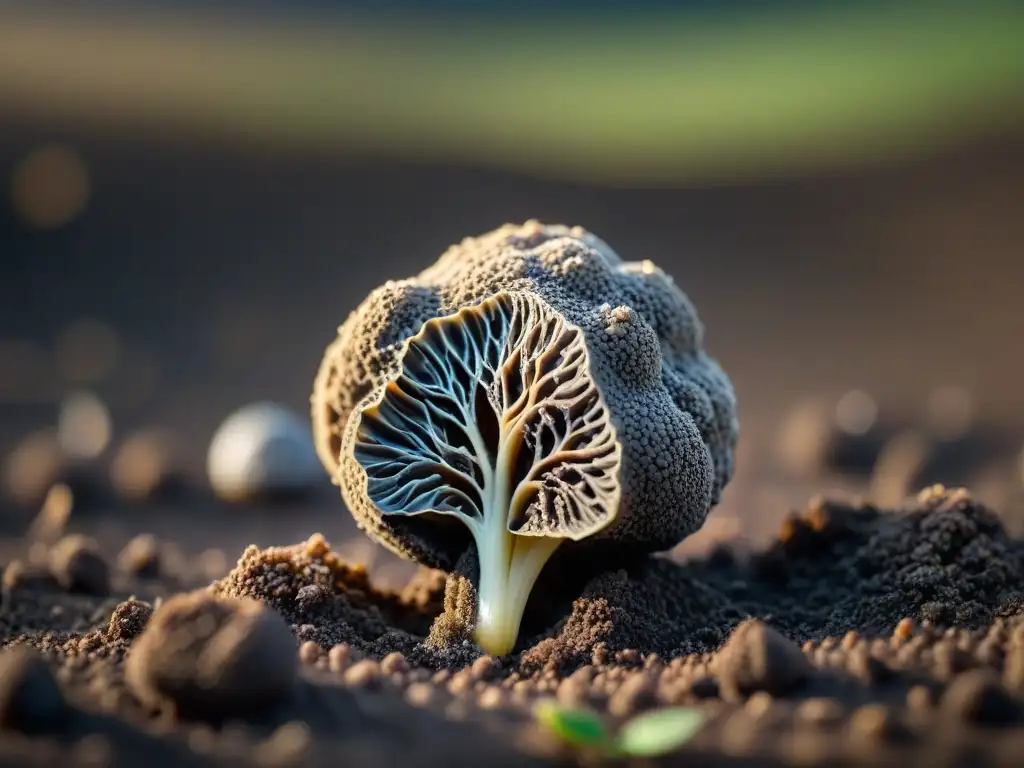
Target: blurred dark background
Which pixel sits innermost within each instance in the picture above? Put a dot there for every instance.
(196, 195)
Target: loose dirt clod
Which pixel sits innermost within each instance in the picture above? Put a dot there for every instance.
(213, 658)
(129, 619)
(757, 658)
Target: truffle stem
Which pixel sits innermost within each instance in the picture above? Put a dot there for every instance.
(509, 563)
(509, 566)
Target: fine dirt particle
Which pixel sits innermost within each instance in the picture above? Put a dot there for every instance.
(213, 658)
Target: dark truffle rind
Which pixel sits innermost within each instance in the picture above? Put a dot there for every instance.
(673, 407)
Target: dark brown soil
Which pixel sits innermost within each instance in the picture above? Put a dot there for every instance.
(856, 636)
(879, 638)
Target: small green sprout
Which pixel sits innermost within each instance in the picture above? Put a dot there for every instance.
(577, 727)
(648, 735)
(659, 732)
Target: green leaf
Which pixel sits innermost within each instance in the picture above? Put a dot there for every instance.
(659, 732)
(579, 727)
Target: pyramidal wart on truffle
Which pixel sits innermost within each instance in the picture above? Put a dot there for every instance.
(528, 391)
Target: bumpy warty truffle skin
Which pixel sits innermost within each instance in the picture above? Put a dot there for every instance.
(672, 405)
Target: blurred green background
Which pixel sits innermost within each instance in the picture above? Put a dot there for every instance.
(622, 95)
(196, 194)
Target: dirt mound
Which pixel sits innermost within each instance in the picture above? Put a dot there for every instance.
(856, 634)
(944, 560)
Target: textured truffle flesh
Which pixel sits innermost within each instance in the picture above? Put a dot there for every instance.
(494, 418)
(672, 406)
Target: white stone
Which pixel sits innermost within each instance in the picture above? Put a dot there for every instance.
(260, 449)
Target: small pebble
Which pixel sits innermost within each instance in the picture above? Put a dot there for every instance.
(147, 466)
(22, 575)
(1013, 668)
(363, 674)
(141, 556)
(820, 711)
(485, 668)
(309, 652)
(756, 657)
(460, 682)
(49, 525)
(421, 694)
(34, 467)
(263, 450)
(94, 750)
(919, 699)
(637, 693)
(977, 696)
(289, 745)
(338, 657)
(865, 667)
(312, 595)
(78, 566)
(574, 690)
(759, 704)
(394, 663)
(949, 661)
(739, 734)
(873, 722)
(904, 629)
(492, 697)
(704, 687)
(989, 651)
(843, 435)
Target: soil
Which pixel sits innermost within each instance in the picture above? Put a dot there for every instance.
(855, 636)
(845, 635)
